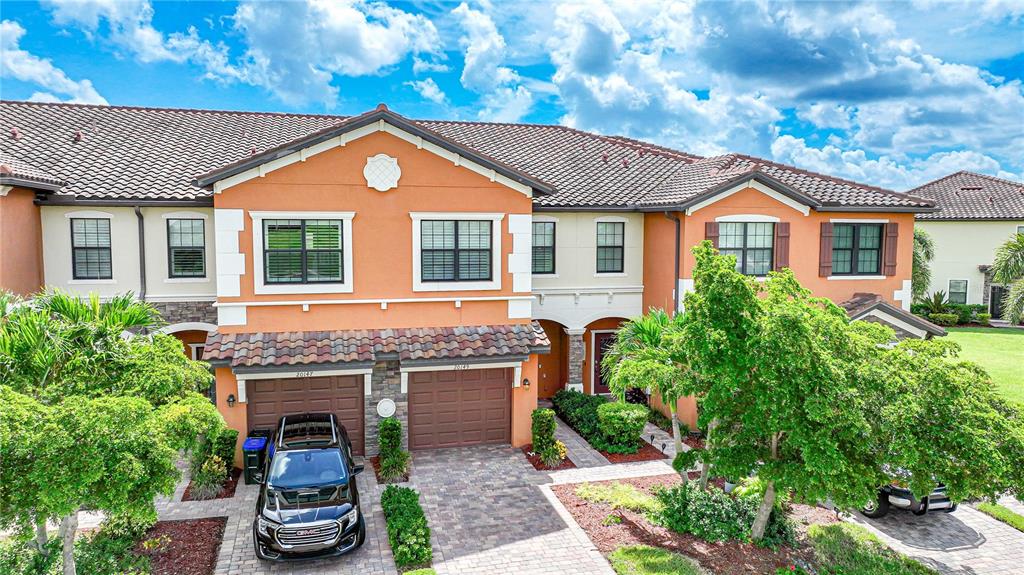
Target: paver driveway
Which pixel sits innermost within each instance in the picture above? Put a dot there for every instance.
(486, 510)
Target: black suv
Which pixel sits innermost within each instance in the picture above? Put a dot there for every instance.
(308, 505)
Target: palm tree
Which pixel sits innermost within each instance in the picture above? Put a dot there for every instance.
(1008, 269)
(924, 252)
(642, 356)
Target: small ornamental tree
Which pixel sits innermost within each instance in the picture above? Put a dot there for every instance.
(641, 356)
(91, 419)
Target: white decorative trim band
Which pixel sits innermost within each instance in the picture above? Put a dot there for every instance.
(781, 198)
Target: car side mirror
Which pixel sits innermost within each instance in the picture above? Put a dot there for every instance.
(357, 469)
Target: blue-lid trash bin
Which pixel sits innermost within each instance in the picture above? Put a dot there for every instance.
(253, 453)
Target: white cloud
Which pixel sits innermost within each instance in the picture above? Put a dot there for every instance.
(890, 172)
(130, 24)
(428, 89)
(420, 66)
(826, 115)
(26, 67)
(506, 104)
(484, 52)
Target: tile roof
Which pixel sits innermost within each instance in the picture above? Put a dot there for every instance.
(971, 196)
(266, 349)
(16, 172)
(153, 154)
(862, 303)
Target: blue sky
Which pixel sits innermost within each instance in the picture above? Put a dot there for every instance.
(893, 94)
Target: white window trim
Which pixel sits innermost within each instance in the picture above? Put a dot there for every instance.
(496, 254)
(749, 218)
(967, 288)
(259, 285)
(95, 282)
(858, 221)
(185, 216)
(192, 349)
(541, 218)
(873, 277)
(90, 214)
(611, 219)
(545, 220)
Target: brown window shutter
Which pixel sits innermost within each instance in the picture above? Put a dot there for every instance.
(781, 245)
(711, 232)
(892, 234)
(825, 253)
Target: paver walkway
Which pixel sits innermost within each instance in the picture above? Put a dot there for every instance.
(580, 452)
(965, 542)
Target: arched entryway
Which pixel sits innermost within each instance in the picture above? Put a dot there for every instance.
(192, 336)
(553, 367)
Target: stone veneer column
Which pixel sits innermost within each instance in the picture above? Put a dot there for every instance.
(386, 382)
(577, 352)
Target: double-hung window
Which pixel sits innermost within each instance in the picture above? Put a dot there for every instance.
(752, 243)
(610, 247)
(186, 248)
(455, 250)
(958, 291)
(543, 247)
(303, 251)
(90, 249)
(857, 249)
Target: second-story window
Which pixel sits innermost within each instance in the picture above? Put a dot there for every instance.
(856, 249)
(186, 248)
(543, 247)
(751, 242)
(610, 247)
(90, 249)
(302, 251)
(455, 250)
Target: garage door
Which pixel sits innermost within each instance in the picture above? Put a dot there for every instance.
(269, 399)
(455, 408)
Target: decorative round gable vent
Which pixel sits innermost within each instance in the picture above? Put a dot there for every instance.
(382, 172)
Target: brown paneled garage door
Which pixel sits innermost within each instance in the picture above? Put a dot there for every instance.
(462, 407)
(269, 399)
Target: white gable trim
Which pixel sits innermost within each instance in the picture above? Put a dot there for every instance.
(343, 139)
(751, 183)
(894, 321)
(757, 218)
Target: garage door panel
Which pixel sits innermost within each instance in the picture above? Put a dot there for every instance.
(269, 399)
(459, 407)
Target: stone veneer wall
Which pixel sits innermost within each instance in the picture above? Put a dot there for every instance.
(386, 382)
(577, 350)
(186, 311)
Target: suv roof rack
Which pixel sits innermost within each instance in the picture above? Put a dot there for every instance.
(307, 430)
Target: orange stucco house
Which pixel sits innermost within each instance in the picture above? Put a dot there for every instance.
(445, 273)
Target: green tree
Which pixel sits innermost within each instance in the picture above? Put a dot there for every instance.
(1008, 268)
(641, 357)
(921, 272)
(778, 373)
(92, 419)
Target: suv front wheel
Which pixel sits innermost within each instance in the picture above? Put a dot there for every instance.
(877, 508)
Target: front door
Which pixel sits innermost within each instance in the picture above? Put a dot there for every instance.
(602, 341)
(995, 301)
(549, 365)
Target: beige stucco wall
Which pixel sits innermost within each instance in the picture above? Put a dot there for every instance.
(56, 222)
(960, 247)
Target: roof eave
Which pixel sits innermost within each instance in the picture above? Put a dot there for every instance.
(877, 209)
(903, 315)
(71, 200)
(29, 183)
(207, 180)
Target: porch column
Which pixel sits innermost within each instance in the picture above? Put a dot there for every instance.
(576, 357)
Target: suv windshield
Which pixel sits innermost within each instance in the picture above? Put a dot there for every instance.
(307, 468)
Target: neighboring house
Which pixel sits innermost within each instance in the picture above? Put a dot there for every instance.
(977, 214)
(445, 272)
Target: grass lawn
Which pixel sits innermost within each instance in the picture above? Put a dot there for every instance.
(999, 351)
(1003, 514)
(644, 560)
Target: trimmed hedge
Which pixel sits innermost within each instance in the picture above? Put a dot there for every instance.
(943, 319)
(543, 430)
(622, 425)
(984, 318)
(579, 411)
(408, 532)
(394, 462)
(224, 447)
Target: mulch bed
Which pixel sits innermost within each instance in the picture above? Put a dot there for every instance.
(647, 452)
(186, 547)
(228, 491)
(534, 460)
(375, 461)
(725, 558)
(693, 442)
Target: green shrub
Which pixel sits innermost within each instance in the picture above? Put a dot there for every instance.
(394, 461)
(223, 446)
(944, 319)
(848, 549)
(105, 552)
(713, 515)
(658, 419)
(1004, 514)
(645, 560)
(543, 430)
(208, 482)
(579, 411)
(984, 318)
(622, 425)
(426, 571)
(407, 527)
(618, 496)
(965, 313)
